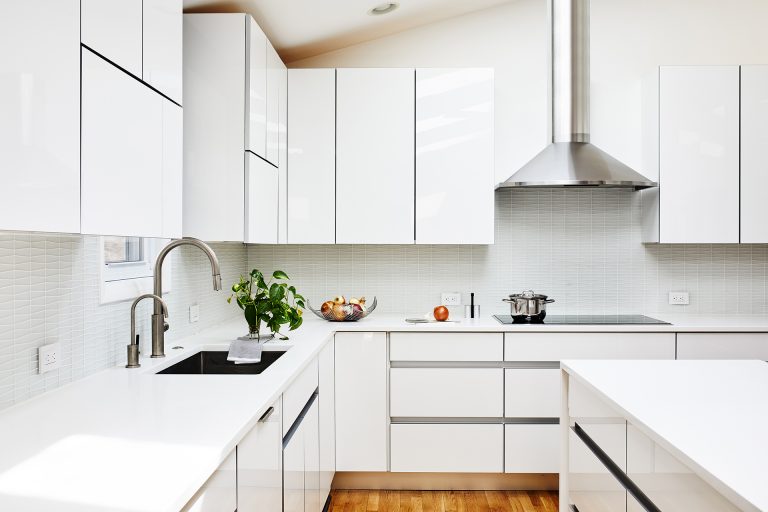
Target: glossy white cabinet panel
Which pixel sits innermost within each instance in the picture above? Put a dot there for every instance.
(436, 346)
(162, 46)
(294, 473)
(122, 153)
(454, 156)
(559, 346)
(375, 156)
(311, 428)
(327, 415)
(295, 398)
(699, 154)
(173, 172)
(219, 493)
(113, 29)
(722, 346)
(592, 487)
(275, 70)
(754, 164)
(446, 392)
(312, 156)
(260, 465)
(261, 198)
(214, 106)
(282, 139)
(532, 393)
(459, 448)
(40, 121)
(256, 89)
(361, 401)
(531, 448)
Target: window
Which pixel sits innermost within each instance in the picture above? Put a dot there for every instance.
(127, 267)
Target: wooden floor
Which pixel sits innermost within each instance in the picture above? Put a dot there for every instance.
(443, 501)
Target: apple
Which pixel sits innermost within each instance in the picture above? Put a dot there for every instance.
(441, 313)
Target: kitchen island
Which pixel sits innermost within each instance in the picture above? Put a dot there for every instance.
(664, 435)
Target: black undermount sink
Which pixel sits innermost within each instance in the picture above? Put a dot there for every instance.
(215, 363)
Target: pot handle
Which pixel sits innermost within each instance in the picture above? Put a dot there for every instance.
(507, 300)
(549, 301)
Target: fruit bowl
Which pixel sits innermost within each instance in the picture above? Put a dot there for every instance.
(344, 312)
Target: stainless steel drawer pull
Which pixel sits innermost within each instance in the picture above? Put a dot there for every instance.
(266, 415)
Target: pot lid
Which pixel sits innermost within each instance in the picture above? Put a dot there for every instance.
(529, 295)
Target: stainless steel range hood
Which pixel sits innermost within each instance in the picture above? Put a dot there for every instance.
(571, 161)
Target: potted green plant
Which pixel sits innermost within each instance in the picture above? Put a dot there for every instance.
(268, 303)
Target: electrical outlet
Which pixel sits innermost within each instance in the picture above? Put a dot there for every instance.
(194, 313)
(679, 298)
(450, 299)
(48, 357)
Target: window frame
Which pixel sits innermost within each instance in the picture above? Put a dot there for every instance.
(127, 280)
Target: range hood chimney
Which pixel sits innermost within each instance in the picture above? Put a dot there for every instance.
(571, 160)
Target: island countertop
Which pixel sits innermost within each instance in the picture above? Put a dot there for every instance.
(711, 415)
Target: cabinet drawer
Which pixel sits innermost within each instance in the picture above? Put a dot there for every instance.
(722, 346)
(298, 394)
(446, 392)
(437, 346)
(588, 345)
(447, 448)
(532, 448)
(532, 393)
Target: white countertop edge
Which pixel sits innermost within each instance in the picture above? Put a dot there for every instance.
(733, 495)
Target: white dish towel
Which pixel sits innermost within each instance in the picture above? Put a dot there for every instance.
(245, 351)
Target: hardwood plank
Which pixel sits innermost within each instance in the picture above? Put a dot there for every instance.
(443, 501)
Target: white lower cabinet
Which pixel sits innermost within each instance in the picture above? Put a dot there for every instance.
(260, 464)
(588, 345)
(532, 448)
(532, 393)
(452, 448)
(293, 473)
(327, 414)
(219, 493)
(361, 401)
(592, 488)
(301, 462)
(722, 346)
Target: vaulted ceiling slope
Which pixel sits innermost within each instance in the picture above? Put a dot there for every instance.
(305, 28)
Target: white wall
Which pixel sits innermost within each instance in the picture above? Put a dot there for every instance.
(509, 38)
(629, 39)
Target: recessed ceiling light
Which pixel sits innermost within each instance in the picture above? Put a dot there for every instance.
(384, 8)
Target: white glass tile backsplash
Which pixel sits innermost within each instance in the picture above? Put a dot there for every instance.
(582, 247)
(49, 292)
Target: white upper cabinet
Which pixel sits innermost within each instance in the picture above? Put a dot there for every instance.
(275, 80)
(699, 154)
(113, 28)
(40, 120)
(256, 90)
(375, 156)
(214, 106)
(311, 156)
(131, 155)
(754, 164)
(162, 46)
(261, 192)
(282, 140)
(454, 156)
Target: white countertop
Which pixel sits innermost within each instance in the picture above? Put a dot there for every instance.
(133, 441)
(712, 415)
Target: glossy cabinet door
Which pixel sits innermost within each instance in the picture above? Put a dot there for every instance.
(311, 431)
(699, 154)
(40, 120)
(261, 197)
(294, 472)
(312, 156)
(327, 414)
(592, 487)
(260, 465)
(361, 401)
(122, 153)
(754, 164)
(214, 106)
(282, 143)
(531, 448)
(375, 156)
(454, 156)
(162, 46)
(275, 70)
(256, 90)
(172, 169)
(219, 493)
(113, 28)
(704, 345)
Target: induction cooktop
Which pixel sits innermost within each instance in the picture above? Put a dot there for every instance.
(586, 320)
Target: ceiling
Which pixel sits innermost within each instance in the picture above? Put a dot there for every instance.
(304, 28)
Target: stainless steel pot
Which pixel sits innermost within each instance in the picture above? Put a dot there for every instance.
(528, 306)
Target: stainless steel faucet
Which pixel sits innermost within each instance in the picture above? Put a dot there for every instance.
(158, 321)
(133, 346)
